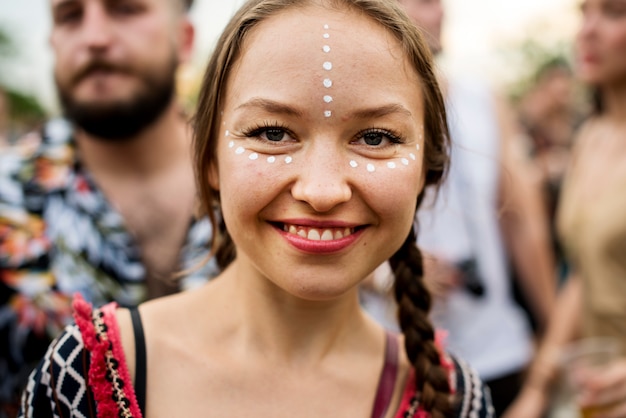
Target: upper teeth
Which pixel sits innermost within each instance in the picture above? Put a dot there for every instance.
(317, 234)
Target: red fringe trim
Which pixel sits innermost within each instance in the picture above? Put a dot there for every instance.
(101, 387)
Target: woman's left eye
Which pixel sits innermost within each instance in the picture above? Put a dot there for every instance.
(377, 138)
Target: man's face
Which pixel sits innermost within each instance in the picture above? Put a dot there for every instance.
(116, 61)
(427, 15)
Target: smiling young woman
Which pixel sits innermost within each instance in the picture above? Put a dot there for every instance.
(319, 124)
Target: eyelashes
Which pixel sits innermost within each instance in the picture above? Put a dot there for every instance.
(371, 138)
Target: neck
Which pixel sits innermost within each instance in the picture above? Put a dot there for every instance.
(158, 146)
(614, 101)
(289, 330)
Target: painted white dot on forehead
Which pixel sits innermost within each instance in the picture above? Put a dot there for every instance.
(271, 159)
(231, 144)
(417, 146)
(405, 161)
(391, 164)
(327, 65)
(288, 160)
(412, 156)
(253, 156)
(371, 168)
(353, 164)
(240, 150)
(227, 133)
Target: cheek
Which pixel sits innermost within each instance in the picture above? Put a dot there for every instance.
(391, 190)
(248, 174)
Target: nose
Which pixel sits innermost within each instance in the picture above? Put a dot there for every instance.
(589, 25)
(96, 27)
(323, 182)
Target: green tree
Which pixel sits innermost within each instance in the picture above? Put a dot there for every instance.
(24, 110)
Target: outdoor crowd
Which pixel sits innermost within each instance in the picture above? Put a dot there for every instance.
(337, 229)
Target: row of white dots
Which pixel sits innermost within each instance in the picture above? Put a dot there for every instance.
(327, 65)
(288, 159)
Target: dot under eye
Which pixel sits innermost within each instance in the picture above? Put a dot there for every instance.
(373, 138)
(275, 134)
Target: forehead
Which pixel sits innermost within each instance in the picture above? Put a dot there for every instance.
(307, 45)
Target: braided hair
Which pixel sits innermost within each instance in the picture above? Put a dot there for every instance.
(412, 296)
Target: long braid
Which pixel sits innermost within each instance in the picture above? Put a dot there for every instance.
(414, 302)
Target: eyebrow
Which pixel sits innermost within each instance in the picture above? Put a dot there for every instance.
(367, 113)
(270, 106)
(380, 111)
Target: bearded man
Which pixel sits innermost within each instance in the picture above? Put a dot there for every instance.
(102, 201)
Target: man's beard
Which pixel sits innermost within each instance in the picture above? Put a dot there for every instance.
(121, 120)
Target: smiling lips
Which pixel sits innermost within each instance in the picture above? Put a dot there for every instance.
(319, 239)
(318, 234)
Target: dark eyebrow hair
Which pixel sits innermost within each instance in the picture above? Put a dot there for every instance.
(380, 111)
(366, 113)
(270, 106)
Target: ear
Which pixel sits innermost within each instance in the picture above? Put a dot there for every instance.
(213, 176)
(186, 38)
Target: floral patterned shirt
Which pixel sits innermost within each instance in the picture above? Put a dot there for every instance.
(59, 235)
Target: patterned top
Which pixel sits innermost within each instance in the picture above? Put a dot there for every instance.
(59, 235)
(84, 374)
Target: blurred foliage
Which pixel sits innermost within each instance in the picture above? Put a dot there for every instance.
(24, 109)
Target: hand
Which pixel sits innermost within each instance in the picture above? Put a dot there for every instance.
(440, 276)
(606, 391)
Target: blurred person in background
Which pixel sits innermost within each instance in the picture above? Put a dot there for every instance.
(591, 222)
(488, 211)
(103, 205)
(549, 114)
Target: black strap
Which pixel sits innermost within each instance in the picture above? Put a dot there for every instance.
(140, 360)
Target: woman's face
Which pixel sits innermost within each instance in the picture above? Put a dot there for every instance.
(601, 42)
(320, 150)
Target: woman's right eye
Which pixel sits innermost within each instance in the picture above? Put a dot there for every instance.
(275, 134)
(269, 134)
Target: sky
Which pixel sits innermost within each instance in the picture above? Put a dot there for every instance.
(475, 34)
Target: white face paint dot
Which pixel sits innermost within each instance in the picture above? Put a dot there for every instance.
(253, 156)
(328, 65)
(328, 99)
(240, 150)
(353, 164)
(231, 144)
(405, 161)
(325, 26)
(417, 146)
(327, 113)
(326, 48)
(371, 168)
(271, 159)
(227, 133)
(412, 156)
(288, 160)
(326, 36)
(391, 165)
(328, 83)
